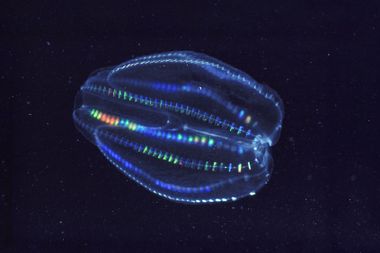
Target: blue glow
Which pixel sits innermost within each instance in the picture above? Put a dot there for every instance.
(127, 165)
(184, 125)
(241, 114)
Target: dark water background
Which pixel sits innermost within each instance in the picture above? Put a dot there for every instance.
(60, 194)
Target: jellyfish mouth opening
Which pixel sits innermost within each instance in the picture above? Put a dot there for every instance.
(260, 145)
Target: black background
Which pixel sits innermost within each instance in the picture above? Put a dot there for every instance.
(60, 194)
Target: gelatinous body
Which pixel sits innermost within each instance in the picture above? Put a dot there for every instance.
(184, 125)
